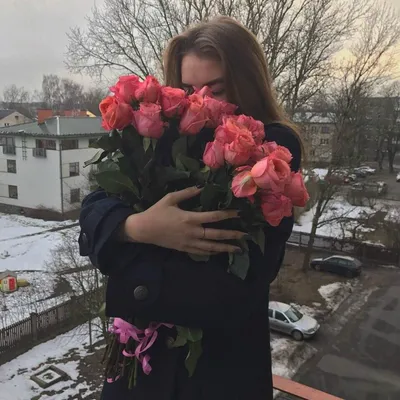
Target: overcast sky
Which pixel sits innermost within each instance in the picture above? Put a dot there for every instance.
(33, 38)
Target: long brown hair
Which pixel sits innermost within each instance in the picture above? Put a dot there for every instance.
(247, 78)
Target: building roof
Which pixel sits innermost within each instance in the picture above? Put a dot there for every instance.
(314, 118)
(6, 273)
(5, 113)
(57, 126)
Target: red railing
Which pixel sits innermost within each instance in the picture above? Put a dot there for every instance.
(300, 391)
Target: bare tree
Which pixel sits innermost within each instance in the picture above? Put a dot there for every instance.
(386, 124)
(92, 98)
(369, 63)
(14, 96)
(299, 37)
(85, 280)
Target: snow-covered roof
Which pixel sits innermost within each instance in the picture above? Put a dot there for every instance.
(314, 118)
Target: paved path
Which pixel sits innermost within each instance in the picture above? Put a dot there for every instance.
(359, 348)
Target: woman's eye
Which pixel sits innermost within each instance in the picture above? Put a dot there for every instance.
(218, 92)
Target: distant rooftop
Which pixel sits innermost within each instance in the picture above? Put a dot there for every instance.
(314, 117)
(5, 113)
(58, 126)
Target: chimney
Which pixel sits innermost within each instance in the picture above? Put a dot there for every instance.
(43, 114)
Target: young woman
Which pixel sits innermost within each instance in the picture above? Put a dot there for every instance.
(144, 254)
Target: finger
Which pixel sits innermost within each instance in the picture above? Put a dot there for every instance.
(215, 247)
(199, 252)
(200, 232)
(212, 216)
(181, 195)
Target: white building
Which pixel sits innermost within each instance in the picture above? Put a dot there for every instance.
(41, 164)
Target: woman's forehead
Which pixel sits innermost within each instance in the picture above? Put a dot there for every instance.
(200, 72)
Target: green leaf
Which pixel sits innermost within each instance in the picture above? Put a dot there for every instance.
(146, 143)
(170, 174)
(110, 142)
(239, 264)
(190, 334)
(259, 238)
(96, 158)
(187, 163)
(115, 182)
(199, 258)
(211, 196)
(117, 155)
(154, 143)
(195, 352)
(180, 341)
(108, 165)
(179, 147)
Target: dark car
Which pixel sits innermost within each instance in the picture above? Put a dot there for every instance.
(341, 265)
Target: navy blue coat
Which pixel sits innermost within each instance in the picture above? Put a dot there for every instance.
(236, 360)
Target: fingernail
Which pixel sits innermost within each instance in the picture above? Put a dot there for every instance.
(238, 251)
(200, 185)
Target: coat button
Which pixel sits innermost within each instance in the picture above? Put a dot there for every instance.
(140, 293)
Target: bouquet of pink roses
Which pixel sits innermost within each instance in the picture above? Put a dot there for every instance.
(162, 140)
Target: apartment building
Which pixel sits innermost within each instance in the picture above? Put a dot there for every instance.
(12, 117)
(318, 130)
(41, 163)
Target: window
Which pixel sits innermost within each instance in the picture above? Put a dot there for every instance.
(270, 313)
(69, 144)
(75, 196)
(280, 317)
(12, 166)
(9, 141)
(74, 169)
(45, 144)
(324, 141)
(12, 192)
(325, 129)
(313, 129)
(312, 153)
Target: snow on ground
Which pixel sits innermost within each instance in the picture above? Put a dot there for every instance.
(18, 252)
(335, 293)
(15, 382)
(337, 209)
(320, 172)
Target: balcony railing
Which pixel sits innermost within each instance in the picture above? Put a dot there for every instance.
(300, 391)
(9, 150)
(38, 152)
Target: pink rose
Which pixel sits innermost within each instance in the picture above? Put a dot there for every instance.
(214, 155)
(240, 150)
(296, 190)
(254, 126)
(271, 173)
(116, 115)
(275, 207)
(227, 132)
(263, 150)
(125, 88)
(147, 120)
(243, 184)
(204, 91)
(149, 90)
(217, 110)
(283, 154)
(173, 101)
(194, 117)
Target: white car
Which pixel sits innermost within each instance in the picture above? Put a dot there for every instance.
(398, 177)
(287, 319)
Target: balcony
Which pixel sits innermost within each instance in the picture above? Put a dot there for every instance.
(299, 391)
(38, 152)
(9, 150)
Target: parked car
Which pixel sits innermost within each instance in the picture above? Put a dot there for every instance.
(398, 177)
(287, 319)
(350, 178)
(368, 170)
(341, 265)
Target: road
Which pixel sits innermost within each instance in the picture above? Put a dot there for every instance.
(359, 348)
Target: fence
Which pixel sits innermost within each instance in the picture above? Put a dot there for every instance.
(23, 335)
(364, 251)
